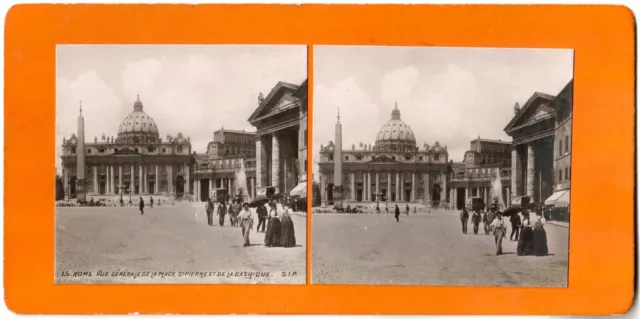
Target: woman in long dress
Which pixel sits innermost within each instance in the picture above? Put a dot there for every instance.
(540, 247)
(525, 242)
(272, 237)
(246, 222)
(287, 232)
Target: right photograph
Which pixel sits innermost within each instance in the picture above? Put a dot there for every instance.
(441, 166)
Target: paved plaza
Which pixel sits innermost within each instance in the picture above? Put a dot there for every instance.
(427, 249)
(172, 244)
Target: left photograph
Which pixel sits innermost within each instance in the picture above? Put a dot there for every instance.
(181, 164)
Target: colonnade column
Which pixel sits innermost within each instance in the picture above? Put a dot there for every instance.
(507, 201)
(377, 186)
(531, 172)
(427, 188)
(402, 199)
(367, 186)
(65, 178)
(140, 180)
(413, 187)
(444, 187)
(107, 187)
(397, 199)
(275, 162)
(323, 187)
(146, 178)
(353, 186)
(157, 187)
(466, 195)
(120, 183)
(112, 179)
(170, 178)
(132, 184)
(95, 180)
(188, 180)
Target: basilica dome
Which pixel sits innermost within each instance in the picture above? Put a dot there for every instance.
(395, 133)
(138, 126)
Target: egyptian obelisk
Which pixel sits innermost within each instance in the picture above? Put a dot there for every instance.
(337, 166)
(80, 178)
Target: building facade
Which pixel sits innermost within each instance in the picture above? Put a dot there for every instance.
(537, 155)
(281, 121)
(229, 163)
(484, 173)
(393, 169)
(137, 161)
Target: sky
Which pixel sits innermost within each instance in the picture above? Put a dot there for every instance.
(190, 89)
(449, 95)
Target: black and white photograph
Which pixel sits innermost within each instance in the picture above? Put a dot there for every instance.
(441, 166)
(181, 164)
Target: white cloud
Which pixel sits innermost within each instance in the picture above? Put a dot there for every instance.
(398, 85)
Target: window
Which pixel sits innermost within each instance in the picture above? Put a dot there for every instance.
(73, 150)
(436, 157)
(408, 157)
(151, 149)
(560, 175)
(566, 144)
(331, 157)
(88, 151)
(164, 150)
(346, 158)
(560, 147)
(420, 158)
(393, 158)
(179, 149)
(101, 151)
(359, 157)
(566, 173)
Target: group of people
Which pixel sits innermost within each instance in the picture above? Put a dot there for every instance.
(279, 230)
(531, 236)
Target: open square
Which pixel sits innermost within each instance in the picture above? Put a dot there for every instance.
(427, 249)
(169, 239)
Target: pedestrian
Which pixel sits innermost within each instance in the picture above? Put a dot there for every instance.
(287, 231)
(151, 202)
(464, 218)
(272, 237)
(515, 226)
(246, 222)
(499, 229)
(261, 211)
(236, 211)
(525, 242)
(222, 210)
(397, 213)
(141, 206)
(485, 223)
(209, 212)
(407, 210)
(475, 219)
(540, 247)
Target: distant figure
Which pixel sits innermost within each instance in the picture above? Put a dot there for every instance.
(141, 206)
(475, 219)
(485, 223)
(397, 213)
(209, 212)
(499, 230)
(272, 237)
(246, 222)
(515, 226)
(235, 208)
(151, 202)
(287, 231)
(464, 218)
(222, 210)
(261, 211)
(407, 210)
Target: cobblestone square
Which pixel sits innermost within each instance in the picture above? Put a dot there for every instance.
(427, 249)
(169, 239)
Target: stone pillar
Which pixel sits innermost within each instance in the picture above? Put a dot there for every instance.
(250, 190)
(413, 187)
(444, 187)
(427, 188)
(95, 180)
(157, 186)
(132, 183)
(377, 186)
(401, 187)
(107, 187)
(397, 187)
(187, 173)
(516, 171)
(508, 199)
(367, 185)
(145, 172)
(323, 189)
(170, 178)
(531, 172)
(65, 180)
(141, 179)
(466, 195)
(454, 197)
(353, 186)
(120, 183)
(389, 186)
(275, 162)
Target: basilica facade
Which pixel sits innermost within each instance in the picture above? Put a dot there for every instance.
(135, 162)
(393, 169)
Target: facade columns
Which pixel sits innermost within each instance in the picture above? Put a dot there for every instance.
(113, 179)
(146, 178)
(353, 186)
(454, 202)
(275, 162)
(402, 199)
(367, 186)
(397, 186)
(141, 179)
(389, 186)
(413, 187)
(65, 179)
(377, 186)
(132, 184)
(170, 178)
(251, 187)
(157, 187)
(188, 180)
(531, 172)
(120, 183)
(444, 187)
(95, 180)
(107, 180)
(516, 172)
(323, 189)
(427, 188)
(466, 195)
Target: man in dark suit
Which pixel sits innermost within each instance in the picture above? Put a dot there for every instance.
(262, 217)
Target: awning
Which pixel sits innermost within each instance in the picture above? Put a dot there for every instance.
(554, 197)
(299, 190)
(563, 201)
